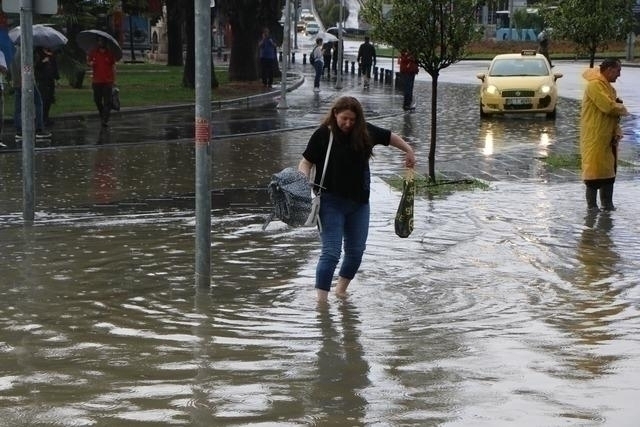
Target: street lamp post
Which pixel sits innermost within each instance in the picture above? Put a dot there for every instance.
(285, 57)
(340, 49)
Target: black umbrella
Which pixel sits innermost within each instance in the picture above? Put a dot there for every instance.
(88, 39)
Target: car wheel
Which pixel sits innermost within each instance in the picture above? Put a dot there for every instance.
(552, 115)
(483, 115)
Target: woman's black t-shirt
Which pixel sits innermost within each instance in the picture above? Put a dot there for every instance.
(347, 171)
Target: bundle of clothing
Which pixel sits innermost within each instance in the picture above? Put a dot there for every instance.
(290, 195)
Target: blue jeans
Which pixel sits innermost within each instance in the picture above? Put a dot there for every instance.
(341, 219)
(319, 67)
(17, 109)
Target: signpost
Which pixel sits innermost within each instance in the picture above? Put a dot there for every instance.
(203, 143)
(282, 104)
(42, 7)
(26, 8)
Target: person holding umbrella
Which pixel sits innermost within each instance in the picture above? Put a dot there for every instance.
(46, 73)
(103, 64)
(16, 80)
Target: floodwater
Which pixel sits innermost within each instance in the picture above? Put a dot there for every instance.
(511, 306)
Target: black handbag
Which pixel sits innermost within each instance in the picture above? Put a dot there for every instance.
(404, 214)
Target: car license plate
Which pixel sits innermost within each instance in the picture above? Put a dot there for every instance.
(517, 101)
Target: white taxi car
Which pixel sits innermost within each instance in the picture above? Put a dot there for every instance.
(519, 83)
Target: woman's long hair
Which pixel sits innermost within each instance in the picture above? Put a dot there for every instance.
(359, 137)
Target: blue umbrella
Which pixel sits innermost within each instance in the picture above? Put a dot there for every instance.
(6, 45)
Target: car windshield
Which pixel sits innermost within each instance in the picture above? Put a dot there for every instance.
(519, 67)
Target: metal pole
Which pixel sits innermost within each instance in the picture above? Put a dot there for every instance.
(630, 39)
(203, 142)
(28, 109)
(296, 11)
(510, 19)
(285, 57)
(340, 53)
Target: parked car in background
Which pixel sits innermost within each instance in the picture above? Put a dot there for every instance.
(312, 28)
(519, 83)
(306, 15)
(335, 31)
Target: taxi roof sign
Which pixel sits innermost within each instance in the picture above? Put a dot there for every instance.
(528, 52)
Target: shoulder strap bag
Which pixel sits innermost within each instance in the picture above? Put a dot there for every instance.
(314, 216)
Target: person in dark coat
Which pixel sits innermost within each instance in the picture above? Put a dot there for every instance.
(46, 74)
(543, 45)
(334, 61)
(326, 53)
(366, 59)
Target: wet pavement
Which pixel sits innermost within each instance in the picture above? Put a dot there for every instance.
(502, 148)
(508, 306)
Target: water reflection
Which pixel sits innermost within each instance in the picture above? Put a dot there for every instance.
(342, 369)
(500, 134)
(590, 308)
(596, 250)
(104, 180)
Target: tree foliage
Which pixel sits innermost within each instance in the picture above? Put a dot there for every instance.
(330, 12)
(590, 24)
(435, 32)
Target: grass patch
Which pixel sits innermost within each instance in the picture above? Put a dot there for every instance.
(442, 187)
(563, 161)
(141, 85)
(573, 161)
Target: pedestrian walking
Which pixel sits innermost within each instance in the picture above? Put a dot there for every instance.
(344, 209)
(3, 73)
(543, 45)
(103, 64)
(337, 46)
(46, 74)
(318, 64)
(326, 57)
(600, 133)
(268, 55)
(408, 71)
(366, 59)
(16, 80)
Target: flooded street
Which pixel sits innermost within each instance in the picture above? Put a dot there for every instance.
(510, 306)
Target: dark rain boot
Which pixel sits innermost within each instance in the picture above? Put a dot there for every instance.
(105, 116)
(592, 197)
(606, 197)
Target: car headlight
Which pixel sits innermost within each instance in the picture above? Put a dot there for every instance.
(491, 89)
(545, 89)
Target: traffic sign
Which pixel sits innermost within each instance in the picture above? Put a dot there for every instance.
(43, 7)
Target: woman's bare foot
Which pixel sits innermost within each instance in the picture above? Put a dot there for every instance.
(322, 296)
(341, 287)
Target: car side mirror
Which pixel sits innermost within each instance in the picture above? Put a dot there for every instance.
(556, 76)
(481, 76)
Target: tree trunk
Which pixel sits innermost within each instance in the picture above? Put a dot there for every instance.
(189, 72)
(174, 32)
(434, 122)
(243, 64)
